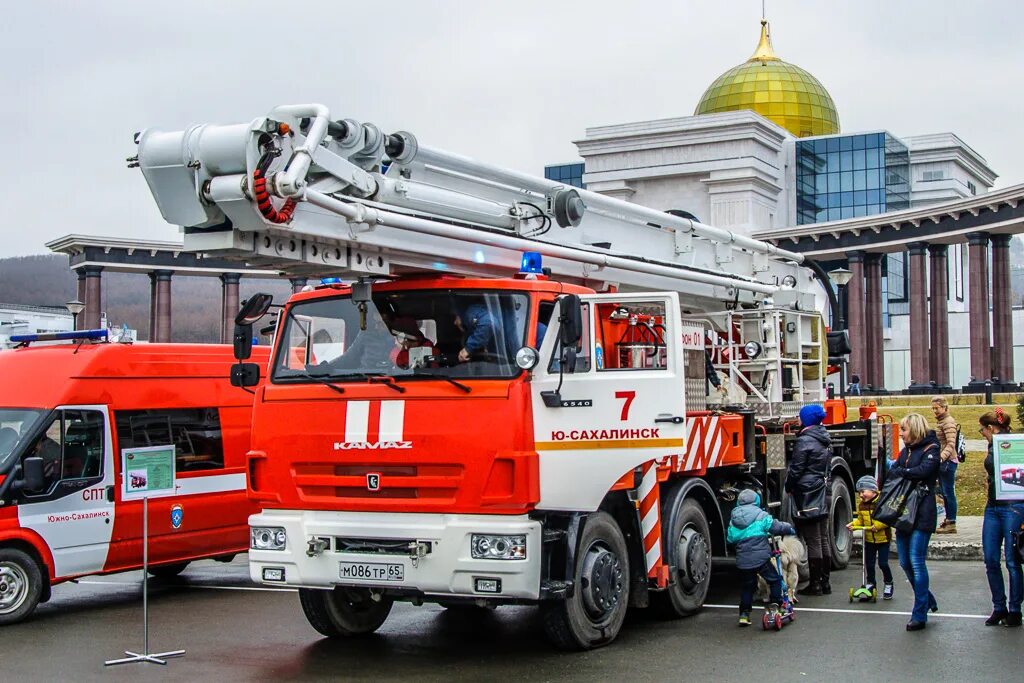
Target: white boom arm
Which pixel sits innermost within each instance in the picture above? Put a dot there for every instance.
(301, 193)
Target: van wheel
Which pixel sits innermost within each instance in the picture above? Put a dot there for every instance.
(21, 585)
(594, 614)
(168, 571)
(344, 612)
(687, 547)
(840, 514)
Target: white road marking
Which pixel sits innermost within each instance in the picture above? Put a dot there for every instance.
(864, 611)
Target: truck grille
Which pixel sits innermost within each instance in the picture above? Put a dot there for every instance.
(424, 482)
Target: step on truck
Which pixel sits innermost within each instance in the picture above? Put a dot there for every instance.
(66, 412)
(504, 390)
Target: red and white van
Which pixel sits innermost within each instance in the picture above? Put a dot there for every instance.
(76, 406)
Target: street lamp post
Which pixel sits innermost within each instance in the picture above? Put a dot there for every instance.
(74, 308)
(842, 277)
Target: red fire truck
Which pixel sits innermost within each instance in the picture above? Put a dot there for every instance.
(66, 412)
(524, 393)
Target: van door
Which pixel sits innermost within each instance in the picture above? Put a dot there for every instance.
(622, 403)
(71, 512)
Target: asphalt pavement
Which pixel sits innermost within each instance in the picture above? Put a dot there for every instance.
(234, 631)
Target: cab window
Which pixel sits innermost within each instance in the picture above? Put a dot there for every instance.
(71, 447)
(632, 335)
(194, 432)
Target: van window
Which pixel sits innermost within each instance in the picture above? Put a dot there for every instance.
(194, 432)
(71, 447)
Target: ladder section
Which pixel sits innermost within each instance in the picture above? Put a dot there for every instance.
(304, 193)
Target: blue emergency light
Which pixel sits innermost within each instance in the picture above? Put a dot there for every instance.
(330, 280)
(73, 335)
(531, 263)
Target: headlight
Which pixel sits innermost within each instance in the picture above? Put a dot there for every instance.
(488, 547)
(752, 349)
(267, 538)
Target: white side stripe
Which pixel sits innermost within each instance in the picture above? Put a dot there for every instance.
(217, 483)
(652, 556)
(392, 420)
(357, 420)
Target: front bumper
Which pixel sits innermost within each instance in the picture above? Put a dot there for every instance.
(448, 570)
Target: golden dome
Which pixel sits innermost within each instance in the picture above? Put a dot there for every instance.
(777, 90)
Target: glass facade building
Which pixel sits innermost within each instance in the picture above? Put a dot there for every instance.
(848, 176)
(569, 174)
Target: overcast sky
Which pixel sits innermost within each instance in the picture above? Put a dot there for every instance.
(512, 83)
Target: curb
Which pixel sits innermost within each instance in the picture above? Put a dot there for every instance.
(938, 551)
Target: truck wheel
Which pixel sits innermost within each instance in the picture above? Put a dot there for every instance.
(840, 514)
(594, 614)
(21, 585)
(344, 612)
(687, 549)
(168, 571)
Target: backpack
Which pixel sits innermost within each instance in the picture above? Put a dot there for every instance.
(961, 445)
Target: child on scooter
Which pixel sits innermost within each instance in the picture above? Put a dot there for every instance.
(876, 536)
(749, 530)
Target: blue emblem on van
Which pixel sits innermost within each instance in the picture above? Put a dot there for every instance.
(177, 516)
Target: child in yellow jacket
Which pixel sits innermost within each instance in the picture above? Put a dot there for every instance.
(876, 535)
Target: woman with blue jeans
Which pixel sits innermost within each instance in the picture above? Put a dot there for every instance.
(1002, 520)
(918, 462)
(946, 429)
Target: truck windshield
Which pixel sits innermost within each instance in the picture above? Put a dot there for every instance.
(453, 333)
(15, 426)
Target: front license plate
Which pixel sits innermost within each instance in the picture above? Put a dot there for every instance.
(370, 571)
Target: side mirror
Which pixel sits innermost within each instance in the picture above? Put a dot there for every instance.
(570, 319)
(253, 308)
(245, 375)
(32, 474)
(242, 341)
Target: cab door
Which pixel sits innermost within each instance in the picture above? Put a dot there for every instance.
(618, 406)
(71, 512)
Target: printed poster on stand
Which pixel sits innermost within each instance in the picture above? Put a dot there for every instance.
(1008, 466)
(148, 472)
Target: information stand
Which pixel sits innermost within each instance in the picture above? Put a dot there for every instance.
(1008, 466)
(147, 473)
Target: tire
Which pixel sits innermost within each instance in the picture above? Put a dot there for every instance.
(168, 571)
(344, 612)
(840, 514)
(687, 545)
(21, 585)
(593, 616)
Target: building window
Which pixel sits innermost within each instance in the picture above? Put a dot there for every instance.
(972, 187)
(194, 432)
(569, 174)
(956, 259)
(933, 175)
(851, 176)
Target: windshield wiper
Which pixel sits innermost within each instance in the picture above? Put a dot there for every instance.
(322, 380)
(370, 377)
(438, 375)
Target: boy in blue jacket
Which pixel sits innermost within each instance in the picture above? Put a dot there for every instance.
(749, 530)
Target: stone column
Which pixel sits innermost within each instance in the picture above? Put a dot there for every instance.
(297, 284)
(919, 370)
(873, 320)
(977, 283)
(93, 297)
(162, 304)
(80, 321)
(938, 321)
(855, 317)
(1002, 310)
(152, 307)
(228, 305)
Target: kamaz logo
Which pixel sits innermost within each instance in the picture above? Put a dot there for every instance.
(368, 446)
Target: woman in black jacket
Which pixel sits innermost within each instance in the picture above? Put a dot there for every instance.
(805, 479)
(918, 462)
